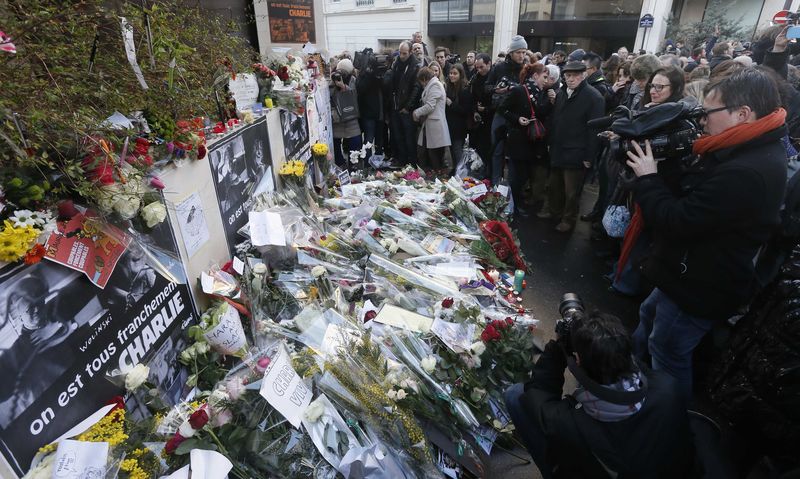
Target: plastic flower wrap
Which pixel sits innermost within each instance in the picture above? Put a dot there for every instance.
(221, 327)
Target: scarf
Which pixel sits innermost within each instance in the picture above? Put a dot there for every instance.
(740, 133)
(737, 135)
(606, 411)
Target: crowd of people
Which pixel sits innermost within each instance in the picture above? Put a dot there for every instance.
(705, 234)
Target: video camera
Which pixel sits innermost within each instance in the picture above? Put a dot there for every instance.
(454, 58)
(368, 60)
(672, 129)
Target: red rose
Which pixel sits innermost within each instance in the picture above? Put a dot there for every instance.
(228, 268)
(283, 73)
(376, 232)
(487, 182)
(489, 334)
(198, 419)
(201, 152)
(509, 321)
(118, 402)
(370, 315)
(173, 443)
(447, 303)
(407, 211)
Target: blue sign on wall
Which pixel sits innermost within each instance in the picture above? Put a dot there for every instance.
(646, 21)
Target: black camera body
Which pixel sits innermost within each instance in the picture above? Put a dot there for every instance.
(336, 76)
(454, 58)
(671, 128)
(367, 60)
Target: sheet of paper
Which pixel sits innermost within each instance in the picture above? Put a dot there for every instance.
(457, 336)
(485, 437)
(502, 189)
(438, 244)
(456, 269)
(344, 177)
(284, 389)
(80, 459)
(192, 222)
(182, 473)
(266, 228)
(335, 337)
(400, 318)
(207, 283)
(238, 265)
(357, 189)
(118, 121)
(227, 337)
(244, 90)
(209, 464)
(476, 191)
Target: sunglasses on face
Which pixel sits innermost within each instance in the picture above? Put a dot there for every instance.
(657, 87)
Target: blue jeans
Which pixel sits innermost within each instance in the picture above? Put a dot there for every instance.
(373, 133)
(670, 336)
(404, 138)
(498, 145)
(526, 425)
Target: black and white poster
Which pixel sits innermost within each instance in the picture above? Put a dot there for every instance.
(60, 334)
(241, 168)
(295, 136)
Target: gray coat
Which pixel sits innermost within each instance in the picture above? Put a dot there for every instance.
(432, 114)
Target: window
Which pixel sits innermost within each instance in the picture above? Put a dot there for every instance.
(365, 3)
(449, 11)
(594, 9)
(483, 10)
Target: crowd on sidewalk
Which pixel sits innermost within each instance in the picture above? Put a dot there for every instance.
(707, 240)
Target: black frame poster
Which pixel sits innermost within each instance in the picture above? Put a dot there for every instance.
(291, 21)
(295, 136)
(241, 167)
(60, 334)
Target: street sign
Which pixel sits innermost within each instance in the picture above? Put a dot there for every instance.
(781, 17)
(646, 21)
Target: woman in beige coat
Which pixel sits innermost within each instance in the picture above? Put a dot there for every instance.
(434, 136)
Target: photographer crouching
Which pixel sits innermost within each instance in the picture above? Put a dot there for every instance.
(623, 421)
(709, 228)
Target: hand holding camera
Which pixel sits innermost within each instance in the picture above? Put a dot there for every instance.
(572, 313)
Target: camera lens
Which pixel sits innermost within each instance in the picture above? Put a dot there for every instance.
(570, 303)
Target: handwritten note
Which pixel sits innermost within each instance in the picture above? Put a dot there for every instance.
(284, 389)
(401, 318)
(80, 459)
(266, 228)
(228, 336)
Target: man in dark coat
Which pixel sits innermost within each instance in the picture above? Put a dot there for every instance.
(624, 420)
(708, 237)
(480, 137)
(405, 95)
(369, 87)
(573, 145)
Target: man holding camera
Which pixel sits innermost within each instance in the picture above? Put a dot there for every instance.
(710, 228)
(622, 421)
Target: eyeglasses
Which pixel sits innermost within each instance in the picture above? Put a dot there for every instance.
(657, 87)
(713, 110)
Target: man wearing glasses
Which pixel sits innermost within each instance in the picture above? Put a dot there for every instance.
(710, 228)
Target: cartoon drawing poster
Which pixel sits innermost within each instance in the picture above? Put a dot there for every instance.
(87, 244)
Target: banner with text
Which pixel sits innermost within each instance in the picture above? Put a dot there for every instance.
(291, 21)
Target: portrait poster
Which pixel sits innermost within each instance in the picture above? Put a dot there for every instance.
(60, 334)
(295, 136)
(291, 21)
(241, 167)
(324, 119)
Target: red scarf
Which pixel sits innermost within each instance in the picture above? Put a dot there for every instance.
(740, 133)
(731, 137)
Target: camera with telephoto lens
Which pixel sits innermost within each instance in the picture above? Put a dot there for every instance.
(336, 76)
(368, 61)
(671, 128)
(572, 312)
(454, 58)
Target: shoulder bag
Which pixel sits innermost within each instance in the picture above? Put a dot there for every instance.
(536, 129)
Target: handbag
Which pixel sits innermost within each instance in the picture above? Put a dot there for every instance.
(617, 216)
(536, 129)
(347, 105)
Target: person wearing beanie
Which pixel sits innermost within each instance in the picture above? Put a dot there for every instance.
(345, 65)
(502, 78)
(577, 55)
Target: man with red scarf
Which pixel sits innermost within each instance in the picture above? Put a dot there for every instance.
(708, 236)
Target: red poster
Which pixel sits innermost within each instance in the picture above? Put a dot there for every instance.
(88, 244)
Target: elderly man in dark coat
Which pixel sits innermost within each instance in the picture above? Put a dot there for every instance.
(573, 145)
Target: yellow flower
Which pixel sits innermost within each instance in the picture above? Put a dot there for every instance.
(110, 429)
(319, 149)
(15, 242)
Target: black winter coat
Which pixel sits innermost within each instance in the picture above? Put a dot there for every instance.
(707, 238)
(517, 105)
(458, 113)
(598, 81)
(507, 69)
(571, 141)
(406, 90)
(370, 98)
(656, 442)
(477, 88)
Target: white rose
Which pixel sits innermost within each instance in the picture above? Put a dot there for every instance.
(318, 271)
(392, 394)
(428, 364)
(401, 394)
(260, 268)
(186, 430)
(136, 376)
(477, 348)
(127, 206)
(314, 411)
(476, 361)
(154, 213)
(218, 397)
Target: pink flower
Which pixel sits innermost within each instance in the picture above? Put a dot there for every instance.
(156, 183)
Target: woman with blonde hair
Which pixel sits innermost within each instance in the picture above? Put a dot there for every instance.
(437, 72)
(696, 89)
